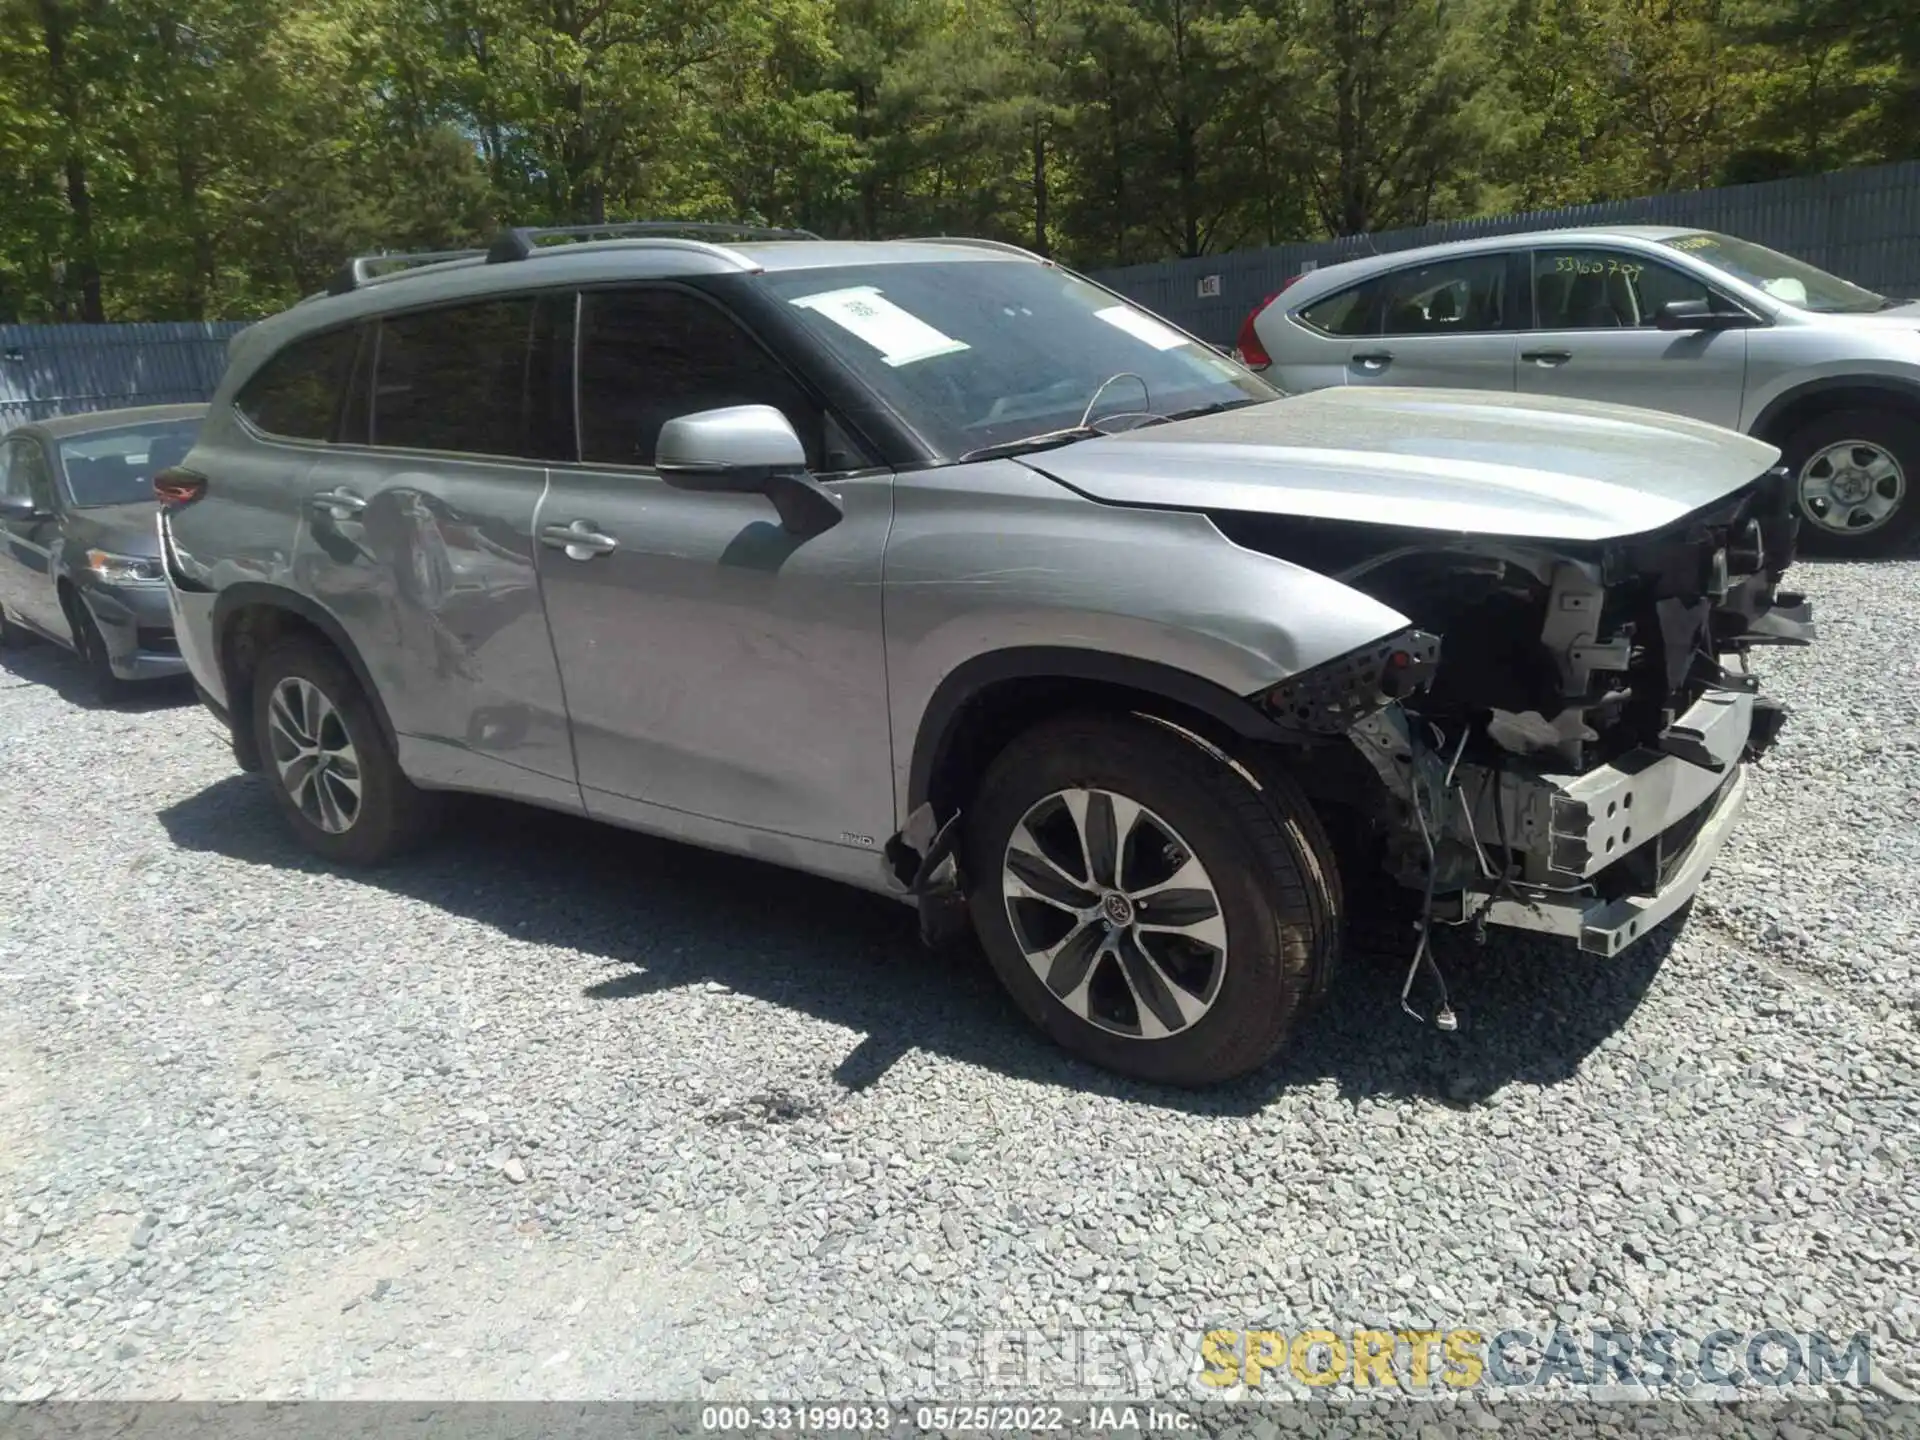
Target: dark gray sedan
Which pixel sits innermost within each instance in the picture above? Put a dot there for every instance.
(79, 553)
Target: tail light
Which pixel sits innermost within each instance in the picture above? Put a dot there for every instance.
(176, 486)
(1247, 349)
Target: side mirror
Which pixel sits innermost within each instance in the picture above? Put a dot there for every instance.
(747, 449)
(18, 507)
(1699, 315)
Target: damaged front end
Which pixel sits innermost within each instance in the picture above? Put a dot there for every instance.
(1568, 755)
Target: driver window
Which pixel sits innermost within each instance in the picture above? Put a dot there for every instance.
(648, 355)
(1605, 290)
(1456, 297)
(28, 476)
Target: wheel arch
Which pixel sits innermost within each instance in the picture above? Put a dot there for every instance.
(986, 701)
(247, 619)
(1788, 412)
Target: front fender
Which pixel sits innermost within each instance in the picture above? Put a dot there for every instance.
(993, 558)
(1772, 392)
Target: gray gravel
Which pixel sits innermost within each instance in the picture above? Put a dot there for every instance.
(552, 1110)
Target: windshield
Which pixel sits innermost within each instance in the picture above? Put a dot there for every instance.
(1792, 281)
(982, 353)
(116, 467)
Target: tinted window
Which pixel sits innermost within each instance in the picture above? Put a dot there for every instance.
(650, 355)
(1604, 290)
(297, 392)
(1345, 313)
(475, 378)
(1455, 297)
(116, 467)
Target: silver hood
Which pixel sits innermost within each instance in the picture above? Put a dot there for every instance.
(1457, 460)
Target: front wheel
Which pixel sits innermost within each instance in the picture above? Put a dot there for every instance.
(333, 773)
(103, 686)
(1148, 906)
(1855, 477)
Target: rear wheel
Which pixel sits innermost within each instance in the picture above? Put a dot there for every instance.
(1856, 473)
(1147, 906)
(333, 773)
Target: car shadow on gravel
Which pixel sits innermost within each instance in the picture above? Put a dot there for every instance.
(41, 662)
(1529, 1011)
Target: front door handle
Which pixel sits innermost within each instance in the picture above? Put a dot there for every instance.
(581, 539)
(337, 504)
(1374, 360)
(1547, 359)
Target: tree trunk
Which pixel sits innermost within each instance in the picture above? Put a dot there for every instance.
(200, 275)
(1186, 150)
(84, 271)
(1040, 187)
(863, 101)
(1351, 216)
(1117, 156)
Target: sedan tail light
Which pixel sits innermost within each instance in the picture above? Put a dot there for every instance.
(1247, 349)
(177, 486)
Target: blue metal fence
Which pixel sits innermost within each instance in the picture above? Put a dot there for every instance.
(48, 370)
(1861, 224)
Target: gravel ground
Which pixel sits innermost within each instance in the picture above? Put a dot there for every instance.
(556, 1111)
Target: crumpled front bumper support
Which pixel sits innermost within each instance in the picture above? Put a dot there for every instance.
(1605, 856)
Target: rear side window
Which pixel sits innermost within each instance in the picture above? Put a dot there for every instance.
(478, 379)
(1455, 297)
(297, 393)
(1345, 312)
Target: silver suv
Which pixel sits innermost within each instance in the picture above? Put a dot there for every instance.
(1673, 319)
(933, 568)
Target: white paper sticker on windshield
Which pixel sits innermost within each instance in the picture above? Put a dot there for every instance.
(863, 311)
(1141, 327)
(1786, 288)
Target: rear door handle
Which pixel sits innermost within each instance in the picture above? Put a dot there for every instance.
(337, 504)
(1546, 358)
(1374, 359)
(581, 539)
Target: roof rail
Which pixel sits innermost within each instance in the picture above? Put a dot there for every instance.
(523, 240)
(1002, 245)
(362, 268)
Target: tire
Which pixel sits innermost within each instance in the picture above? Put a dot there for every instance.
(389, 814)
(1814, 451)
(1259, 850)
(103, 686)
